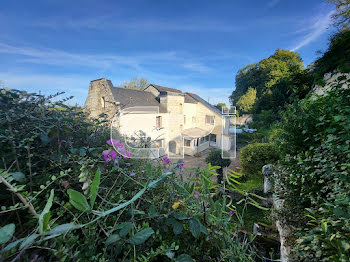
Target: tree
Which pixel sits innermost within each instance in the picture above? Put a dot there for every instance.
(272, 78)
(337, 57)
(342, 16)
(136, 83)
(246, 102)
(220, 106)
(215, 159)
(246, 77)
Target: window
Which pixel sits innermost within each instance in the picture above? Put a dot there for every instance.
(159, 122)
(184, 120)
(187, 143)
(213, 138)
(180, 108)
(103, 102)
(209, 120)
(204, 140)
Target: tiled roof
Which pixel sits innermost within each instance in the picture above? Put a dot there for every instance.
(189, 99)
(205, 103)
(165, 89)
(132, 97)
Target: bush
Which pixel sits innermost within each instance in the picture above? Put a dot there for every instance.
(62, 201)
(315, 141)
(254, 156)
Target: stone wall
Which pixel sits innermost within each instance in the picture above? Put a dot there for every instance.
(100, 99)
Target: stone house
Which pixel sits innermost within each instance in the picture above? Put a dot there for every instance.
(177, 123)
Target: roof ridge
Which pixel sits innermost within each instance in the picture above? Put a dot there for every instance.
(164, 87)
(130, 89)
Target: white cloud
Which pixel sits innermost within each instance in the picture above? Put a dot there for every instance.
(138, 62)
(197, 67)
(272, 3)
(104, 23)
(313, 29)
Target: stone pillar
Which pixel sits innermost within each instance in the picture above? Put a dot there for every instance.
(267, 171)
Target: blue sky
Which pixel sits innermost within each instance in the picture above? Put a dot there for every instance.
(195, 46)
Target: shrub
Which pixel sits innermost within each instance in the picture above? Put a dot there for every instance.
(254, 156)
(315, 141)
(84, 209)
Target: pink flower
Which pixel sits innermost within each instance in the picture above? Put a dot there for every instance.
(132, 174)
(166, 160)
(230, 213)
(109, 155)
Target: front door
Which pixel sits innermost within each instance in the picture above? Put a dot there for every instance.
(172, 147)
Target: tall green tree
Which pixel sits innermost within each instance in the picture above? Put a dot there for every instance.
(247, 101)
(272, 78)
(246, 77)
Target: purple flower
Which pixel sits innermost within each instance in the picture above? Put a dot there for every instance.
(196, 194)
(166, 160)
(113, 142)
(230, 213)
(109, 155)
(132, 174)
(119, 157)
(181, 165)
(127, 155)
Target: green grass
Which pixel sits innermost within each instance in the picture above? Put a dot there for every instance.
(253, 183)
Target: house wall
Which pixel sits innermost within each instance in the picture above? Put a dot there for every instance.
(216, 129)
(175, 119)
(190, 111)
(172, 121)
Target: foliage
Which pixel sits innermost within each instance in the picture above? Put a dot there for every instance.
(246, 102)
(336, 58)
(272, 78)
(315, 142)
(136, 83)
(254, 156)
(217, 157)
(86, 206)
(342, 16)
(220, 106)
(264, 118)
